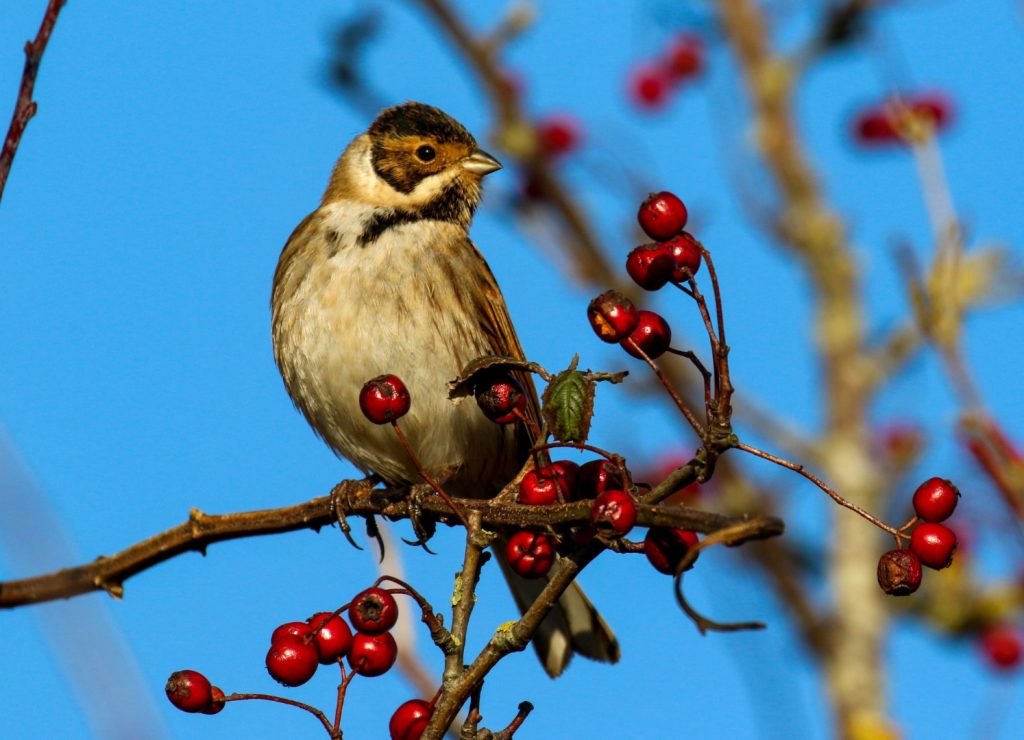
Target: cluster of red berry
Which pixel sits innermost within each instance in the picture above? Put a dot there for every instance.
(674, 257)
(893, 121)
(297, 649)
(931, 544)
(651, 83)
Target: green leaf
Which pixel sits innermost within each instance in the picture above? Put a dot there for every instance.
(569, 405)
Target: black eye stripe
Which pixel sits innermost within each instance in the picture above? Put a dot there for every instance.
(425, 153)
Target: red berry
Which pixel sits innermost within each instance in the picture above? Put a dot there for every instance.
(216, 701)
(333, 637)
(1002, 646)
(612, 316)
(373, 611)
(372, 655)
(384, 399)
(292, 663)
(686, 256)
(649, 86)
(662, 215)
(189, 691)
(934, 544)
(665, 547)
(567, 473)
(291, 632)
(615, 510)
(934, 106)
(410, 720)
(539, 487)
(530, 554)
(899, 572)
(935, 499)
(558, 135)
(500, 397)
(598, 476)
(650, 266)
(652, 335)
(874, 127)
(685, 56)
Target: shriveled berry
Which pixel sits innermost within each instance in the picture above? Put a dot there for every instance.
(649, 85)
(685, 56)
(935, 499)
(539, 487)
(384, 399)
(597, 476)
(372, 655)
(899, 572)
(292, 663)
(373, 611)
(662, 215)
(189, 691)
(612, 316)
(1002, 645)
(291, 632)
(650, 265)
(652, 336)
(558, 135)
(333, 638)
(686, 256)
(500, 397)
(530, 554)
(410, 720)
(615, 510)
(216, 701)
(934, 544)
(665, 547)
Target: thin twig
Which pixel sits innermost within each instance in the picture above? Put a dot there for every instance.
(290, 702)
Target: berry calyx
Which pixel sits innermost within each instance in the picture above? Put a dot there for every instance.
(410, 720)
(384, 399)
(500, 398)
(686, 256)
(935, 499)
(373, 611)
(612, 316)
(539, 487)
(614, 510)
(216, 701)
(292, 663)
(291, 632)
(662, 215)
(333, 638)
(558, 135)
(652, 336)
(1002, 645)
(372, 655)
(649, 86)
(598, 476)
(189, 691)
(934, 544)
(650, 265)
(665, 547)
(899, 572)
(530, 554)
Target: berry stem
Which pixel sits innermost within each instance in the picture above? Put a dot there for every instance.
(342, 688)
(820, 484)
(680, 404)
(426, 476)
(335, 735)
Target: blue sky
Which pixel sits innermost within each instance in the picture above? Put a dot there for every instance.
(174, 151)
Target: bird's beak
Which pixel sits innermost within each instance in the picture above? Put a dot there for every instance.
(480, 163)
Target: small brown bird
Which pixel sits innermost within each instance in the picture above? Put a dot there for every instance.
(383, 278)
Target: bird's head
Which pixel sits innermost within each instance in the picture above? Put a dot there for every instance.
(414, 157)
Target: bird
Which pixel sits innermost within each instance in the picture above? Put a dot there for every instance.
(382, 278)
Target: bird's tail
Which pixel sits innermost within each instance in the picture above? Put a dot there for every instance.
(573, 626)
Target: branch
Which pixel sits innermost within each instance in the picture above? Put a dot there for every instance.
(25, 107)
(352, 497)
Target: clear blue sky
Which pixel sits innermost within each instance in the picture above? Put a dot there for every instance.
(172, 155)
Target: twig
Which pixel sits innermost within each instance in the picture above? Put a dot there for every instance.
(25, 107)
(290, 702)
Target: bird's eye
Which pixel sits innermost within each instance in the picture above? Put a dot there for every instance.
(425, 153)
